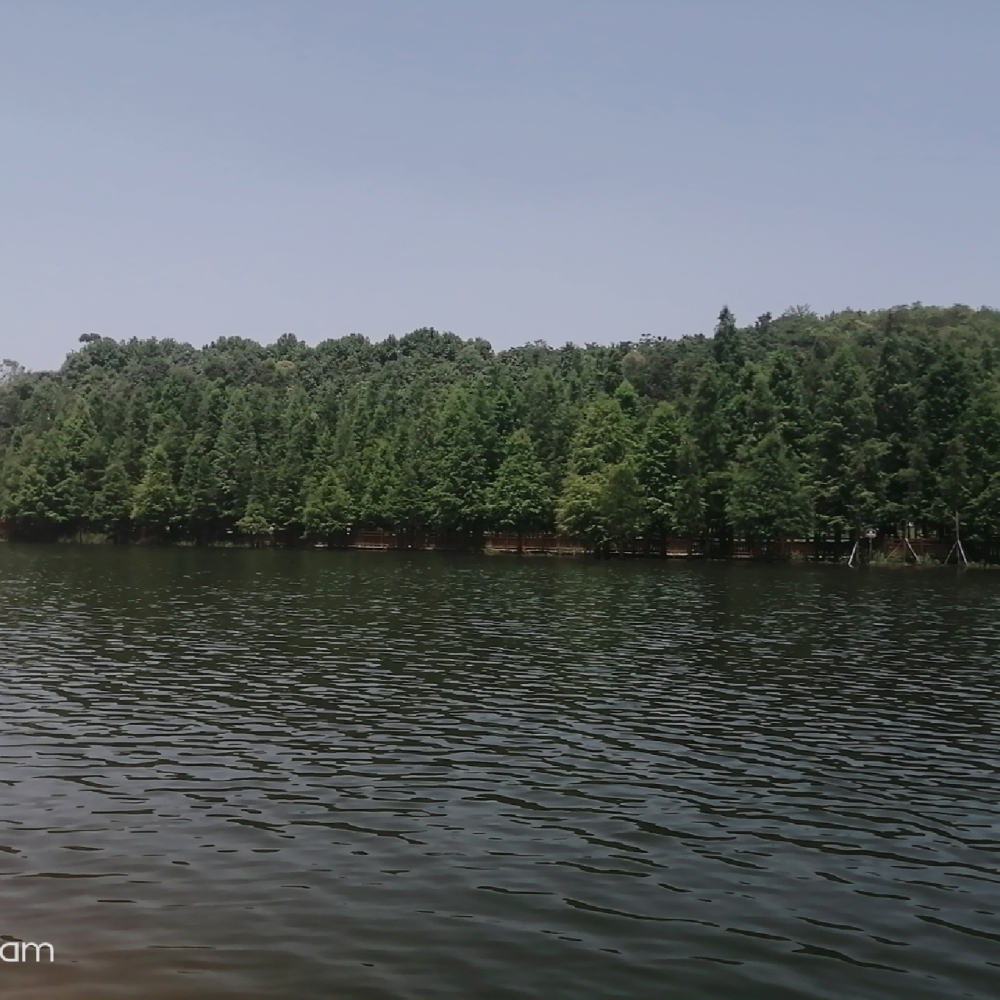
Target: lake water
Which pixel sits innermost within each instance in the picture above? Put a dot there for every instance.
(379, 775)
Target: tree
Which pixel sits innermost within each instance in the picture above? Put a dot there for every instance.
(155, 506)
(784, 381)
(519, 499)
(603, 437)
(32, 503)
(886, 417)
(46, 489)
(947, 384)
(201, 494)
(380, 481)
(328, 509)
(112, 509)
(234, 458)
(954, 483)
(981, 439)
(580, 506)
(768, 500)
(690, 504)
(254, 524)
(548, 419)
(458, 464)
(728, 347)
(658, 467)
(715, 444)
(297, 434)
(622, 506)
(850, 484)
(601, 499)
(603, 506)
(10, 370)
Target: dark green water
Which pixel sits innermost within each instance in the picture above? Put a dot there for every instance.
(319, 775)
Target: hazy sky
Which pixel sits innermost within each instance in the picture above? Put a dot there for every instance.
(587, 171)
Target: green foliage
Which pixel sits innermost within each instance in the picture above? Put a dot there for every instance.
(328, 509)
(460, 462)
(659, 467)
(798, 424)
(519, 498)
(768, 499)
(156, 506)
(603, 437)
(112, 509)
(254, 522)
(602, 506)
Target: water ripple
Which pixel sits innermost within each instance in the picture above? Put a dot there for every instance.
(280, 774)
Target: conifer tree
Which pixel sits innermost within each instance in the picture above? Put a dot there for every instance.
(155, 506)
(884, 418)
(768, 500)
(112, 510)
(659, 469)
(329, 510)
(519, 499)
(602, 500)
(254, 523)
(234, 457)
(459, 465)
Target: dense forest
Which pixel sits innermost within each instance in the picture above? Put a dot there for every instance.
(796, 426)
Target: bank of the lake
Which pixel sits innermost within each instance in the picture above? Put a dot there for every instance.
(885, 550)
(798, 426)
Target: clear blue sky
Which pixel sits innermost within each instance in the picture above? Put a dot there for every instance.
(586, 171)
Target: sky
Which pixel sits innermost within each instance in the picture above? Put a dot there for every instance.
(559, 170)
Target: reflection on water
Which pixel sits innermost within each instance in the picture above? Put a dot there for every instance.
(299, 774)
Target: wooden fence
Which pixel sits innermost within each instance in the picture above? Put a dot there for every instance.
(890, 548)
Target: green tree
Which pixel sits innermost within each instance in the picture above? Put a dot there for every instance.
(602, 507)
(200, 493)
(659, 468)
(850, 483)
(459, 464)
(769, 500)
(954, 481)
(156, 506)
(519, 499)
(548, 419)
(603, 437)
(32, 503)
(981, 439)
(690, 505)
(329, 510)
(715, 442)
(112, 510)
(254, 523)
(875, 411)
(234, 458)
(297, 435)
(602, 499)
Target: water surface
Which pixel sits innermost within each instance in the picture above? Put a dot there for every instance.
(376, 775)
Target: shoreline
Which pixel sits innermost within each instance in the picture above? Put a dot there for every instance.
(550, 547)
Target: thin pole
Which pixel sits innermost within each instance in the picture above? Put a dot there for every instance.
(958, 542)
(957, 547)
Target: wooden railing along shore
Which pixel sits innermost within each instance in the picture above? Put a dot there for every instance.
(889, 548)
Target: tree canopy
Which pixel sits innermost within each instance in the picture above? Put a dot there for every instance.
(793, 426)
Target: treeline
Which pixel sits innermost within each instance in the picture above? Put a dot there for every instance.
(796, 426)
